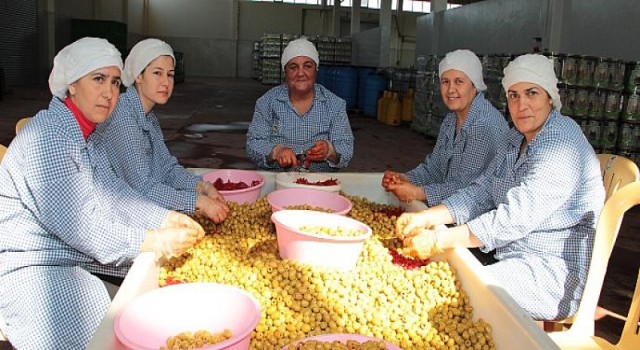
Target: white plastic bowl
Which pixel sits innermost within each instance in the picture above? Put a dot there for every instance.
(318, 250)
(288, 180)
(151, 318)
(281, 199)
(242, 196)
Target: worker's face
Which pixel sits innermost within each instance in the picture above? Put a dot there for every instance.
(155, 83)
(301, 74)
(96, 94)
(529, 105)
(457, 91)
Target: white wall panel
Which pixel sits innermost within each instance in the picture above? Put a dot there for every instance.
(135, 18)
(494, 26)
(192, 18)
(582, 27)
(602, 28)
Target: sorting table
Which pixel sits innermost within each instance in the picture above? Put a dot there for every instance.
(512, 327)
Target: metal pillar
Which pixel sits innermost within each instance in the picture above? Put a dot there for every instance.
(336, 19)
(385, 33)
(355, 16)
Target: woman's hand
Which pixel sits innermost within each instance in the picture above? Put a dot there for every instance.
(320, 151)
(177, 233)
(284, 156)
(392, 178)
(401, 187)
(214, 209)
(171, 242)
(206, 188)
(422, 244)
(408, 223)
(179, 220)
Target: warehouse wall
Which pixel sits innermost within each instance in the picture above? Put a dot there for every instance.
(216, 37)
(205, 31)
(135, 19)
(367, 44)
(19, 42)
(226, 30)
(585, 27)
(602, 28)
(493, 26)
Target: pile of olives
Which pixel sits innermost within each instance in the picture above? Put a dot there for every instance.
(309, 207)
(337, 231)
(188, 340)
(337, 345)
(420, 308)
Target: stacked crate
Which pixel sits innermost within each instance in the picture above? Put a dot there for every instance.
(342, 51)
(270, 52)
(326, 46)
(601, 94)
(256, 70)
(428, 108)
(330, 50)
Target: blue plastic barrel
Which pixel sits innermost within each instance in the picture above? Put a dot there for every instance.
(345, 84)
(325, 76)
(370, 87)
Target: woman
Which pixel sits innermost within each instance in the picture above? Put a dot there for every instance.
(137, 150)
(536, 205)
(300, 123)
(467, 140)
(57, 219)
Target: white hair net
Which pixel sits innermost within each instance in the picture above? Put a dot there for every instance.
(141, 55)
(299, 47)
(466, 62)
(78, 59)
(536, 69)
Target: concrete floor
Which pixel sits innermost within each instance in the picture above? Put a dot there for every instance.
(229, 103)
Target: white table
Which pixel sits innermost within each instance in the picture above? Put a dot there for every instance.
(513, 328)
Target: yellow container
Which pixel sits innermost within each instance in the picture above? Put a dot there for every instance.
(407, 106)
(382, 106)
(394, 110)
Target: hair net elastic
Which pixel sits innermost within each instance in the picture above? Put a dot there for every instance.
(299, 47)
(78, 59)
(141, 55)
(536, 69)
(466, 62)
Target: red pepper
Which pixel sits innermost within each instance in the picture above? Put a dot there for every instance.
(305, 181)
(231, 186)
(406, 262)
(169, 281)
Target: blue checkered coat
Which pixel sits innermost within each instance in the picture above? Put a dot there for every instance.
(538, 211)
(458, 158)
(140, 157)
(275, 121)
(63, 213)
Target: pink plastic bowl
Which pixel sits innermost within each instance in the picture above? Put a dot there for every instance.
(148, 320)
(244, 196)
(319, 250)
(342, 337)
(280, 199)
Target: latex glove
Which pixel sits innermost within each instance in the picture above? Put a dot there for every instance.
(408, 223)
(206, 188)
(179, 220)
(422, 244)
(320, 151)
(216, 210)
(391, 178)
(171, 242)
(284, 156)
